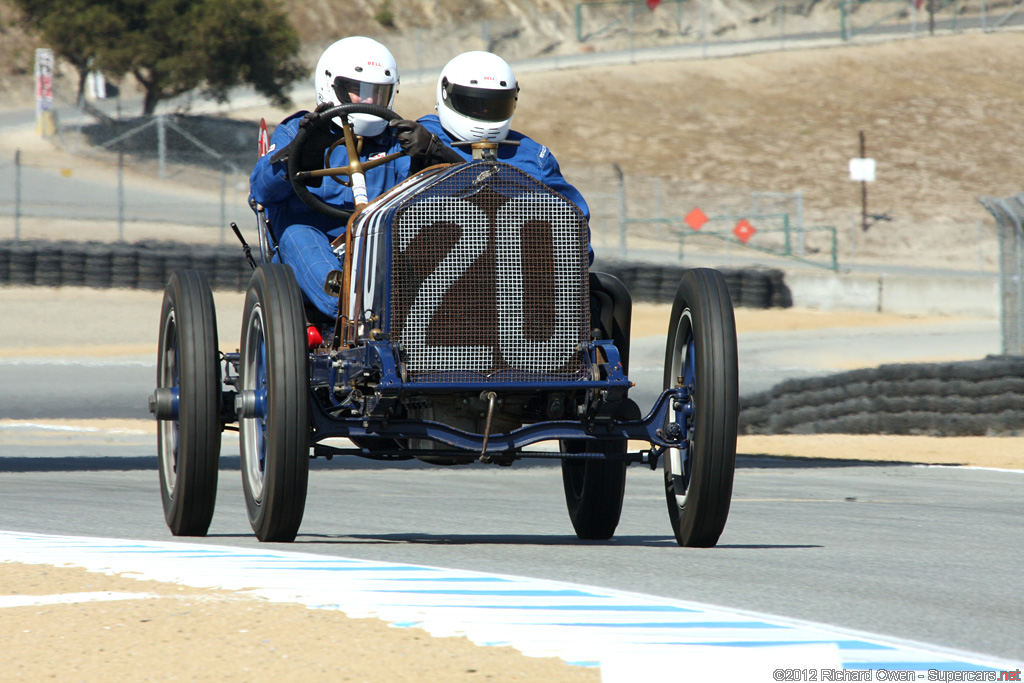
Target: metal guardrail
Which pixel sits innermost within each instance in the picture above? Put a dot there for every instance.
(1009, 215)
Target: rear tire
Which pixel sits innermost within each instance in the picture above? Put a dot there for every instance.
(274, 441)
(188, 447)
(701, 354)
(594, 489)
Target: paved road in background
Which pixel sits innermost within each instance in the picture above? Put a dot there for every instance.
(119, 387)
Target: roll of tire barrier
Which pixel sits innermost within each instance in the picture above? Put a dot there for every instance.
(177, 259)
(152, 272)
(646, 285)
(227, 273)
(780, 296)
(734, 283)
(49, 269)
(5, 262)
(124, 267)
(96, 264)
(940, 399)
(205, 261)
(754, 289)
(72, 267)
(22, 266)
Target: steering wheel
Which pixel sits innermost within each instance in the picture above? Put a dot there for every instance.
(355, 169)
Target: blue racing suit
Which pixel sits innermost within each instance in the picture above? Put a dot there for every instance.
(530, 157)
(304, 236)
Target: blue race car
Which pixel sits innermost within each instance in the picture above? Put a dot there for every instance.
(469, 329)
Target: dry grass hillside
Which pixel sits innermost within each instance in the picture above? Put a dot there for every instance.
(941, 116)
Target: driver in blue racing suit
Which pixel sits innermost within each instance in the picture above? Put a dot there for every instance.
(476, 100)
(352, 70)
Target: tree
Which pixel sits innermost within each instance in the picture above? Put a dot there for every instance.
(73, 28)
(174, 46)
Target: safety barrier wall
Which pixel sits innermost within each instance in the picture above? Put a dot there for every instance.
(657, 283)
(968, 398)
(148, 264)
(141, 265)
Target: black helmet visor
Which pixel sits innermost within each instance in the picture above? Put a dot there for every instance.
(483, 104)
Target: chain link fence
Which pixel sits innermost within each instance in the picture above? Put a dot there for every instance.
(185, 178)
(164, 177)
(1009, 215)
(658, 219)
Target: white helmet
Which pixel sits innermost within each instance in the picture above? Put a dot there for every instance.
(354, 70)
(476, 97)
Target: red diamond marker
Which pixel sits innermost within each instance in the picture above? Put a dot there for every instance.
(744, 230)
(696, 219)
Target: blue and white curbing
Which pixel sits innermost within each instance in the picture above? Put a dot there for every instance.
(630, 636)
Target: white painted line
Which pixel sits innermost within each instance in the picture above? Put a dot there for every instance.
(70, 598)
(583, 625)
(42, 426)
(972, 467)
(78, 362)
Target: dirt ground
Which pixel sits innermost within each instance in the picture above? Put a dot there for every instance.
(941, 117)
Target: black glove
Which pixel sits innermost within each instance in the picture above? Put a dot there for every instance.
(316, 142)
(425, 148)
(415, 140)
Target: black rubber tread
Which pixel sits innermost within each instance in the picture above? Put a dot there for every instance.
(780, 295)
(124, 268)
(205, 261)
(96, 265)
(594, 489)
(651, 282)
(716, 399)
(48, 265)
(152, 266)
(959, 398)
(278, 516)
(232, 271)
(188, 507)
(21, 263)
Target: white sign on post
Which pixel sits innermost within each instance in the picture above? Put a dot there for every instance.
(45, 125)
(862, 170)
(44, 79)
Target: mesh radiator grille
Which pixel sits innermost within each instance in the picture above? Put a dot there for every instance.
(490, 280)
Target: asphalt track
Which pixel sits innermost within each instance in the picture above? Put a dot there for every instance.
(925, 554)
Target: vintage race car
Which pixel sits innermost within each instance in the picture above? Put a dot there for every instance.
(470, 329)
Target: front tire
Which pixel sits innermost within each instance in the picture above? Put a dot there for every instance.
(274, 385)
(701, 354)
(188, 441)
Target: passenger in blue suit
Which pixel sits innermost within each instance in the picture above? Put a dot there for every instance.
(352, 70)
(476, 99)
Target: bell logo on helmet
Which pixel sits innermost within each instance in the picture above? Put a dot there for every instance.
(378, 64)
